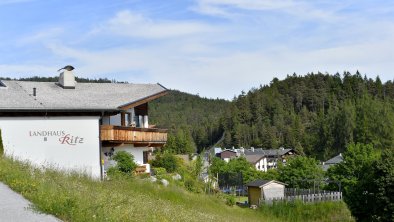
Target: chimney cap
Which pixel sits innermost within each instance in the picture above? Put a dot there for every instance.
(67, 67)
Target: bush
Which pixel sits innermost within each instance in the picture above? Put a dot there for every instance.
(159, 171)
(190, 185)
(166, 160)
(230, 200)
(124, 162)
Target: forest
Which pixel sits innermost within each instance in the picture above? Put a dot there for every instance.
(317, 114)
(194, 123)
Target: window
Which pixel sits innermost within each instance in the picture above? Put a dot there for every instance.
(145, 157)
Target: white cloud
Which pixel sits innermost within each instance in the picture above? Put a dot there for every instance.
(299, 9)
(225, 76)
(131, 24)
(24, 70)
(216, 59)
(46, 35)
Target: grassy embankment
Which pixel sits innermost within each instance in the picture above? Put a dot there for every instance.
(77, 198)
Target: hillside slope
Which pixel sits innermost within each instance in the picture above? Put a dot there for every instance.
(317, 114)
(190, 117)
(77, 198)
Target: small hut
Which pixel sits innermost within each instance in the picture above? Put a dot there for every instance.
(264, 190)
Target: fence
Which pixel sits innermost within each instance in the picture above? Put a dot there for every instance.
(307, 196)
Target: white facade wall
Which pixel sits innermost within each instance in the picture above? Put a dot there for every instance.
(137, 152)
(66, 143)
(261, 165)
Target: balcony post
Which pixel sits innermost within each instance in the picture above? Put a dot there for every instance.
(122, 119)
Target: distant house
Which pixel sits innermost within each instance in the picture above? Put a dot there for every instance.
(259, 161)
(226, 155)
(260, 191)
(216, 150)
(264, 160)
(333, 161)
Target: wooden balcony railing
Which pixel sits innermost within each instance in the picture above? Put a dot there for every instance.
(133, 135)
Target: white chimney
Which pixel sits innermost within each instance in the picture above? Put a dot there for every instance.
(67, 79)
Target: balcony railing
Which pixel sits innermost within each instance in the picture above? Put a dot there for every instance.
(133, 135)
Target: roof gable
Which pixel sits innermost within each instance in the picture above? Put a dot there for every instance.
(335, 160)
(254, 158)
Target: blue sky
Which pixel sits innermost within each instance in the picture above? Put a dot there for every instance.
(215, 48)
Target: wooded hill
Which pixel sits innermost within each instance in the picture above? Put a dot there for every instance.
(317, 114)
(195, 123)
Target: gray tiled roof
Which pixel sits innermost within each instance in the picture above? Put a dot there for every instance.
(254, 158)
(335, 160)
(17, 95)
(270, 152)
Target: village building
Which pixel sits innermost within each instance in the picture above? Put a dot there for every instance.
(260, 191)
(331, 162)
(259, 161)
(263, 159)
(78, 126)
(227, 155)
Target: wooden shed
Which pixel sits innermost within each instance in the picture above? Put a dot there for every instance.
(264, 190)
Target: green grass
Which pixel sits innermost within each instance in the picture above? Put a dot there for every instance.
(74, 197)
(298, 211)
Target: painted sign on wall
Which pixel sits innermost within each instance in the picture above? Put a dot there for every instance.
(70, 143)
(64, 138)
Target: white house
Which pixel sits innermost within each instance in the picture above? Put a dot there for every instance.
(264, 160)
(259, 161)
(78, 126)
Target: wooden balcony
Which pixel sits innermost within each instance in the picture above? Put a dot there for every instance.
(117, 135)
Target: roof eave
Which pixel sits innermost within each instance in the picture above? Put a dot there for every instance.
(143, 100)
(57, 110)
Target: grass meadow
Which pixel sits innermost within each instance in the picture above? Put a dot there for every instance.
(75, 197)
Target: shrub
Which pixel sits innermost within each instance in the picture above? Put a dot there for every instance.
(230, 200)
(1, 145)
(166, 160)
(190, 184)
(124, 162)
(159, 171)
